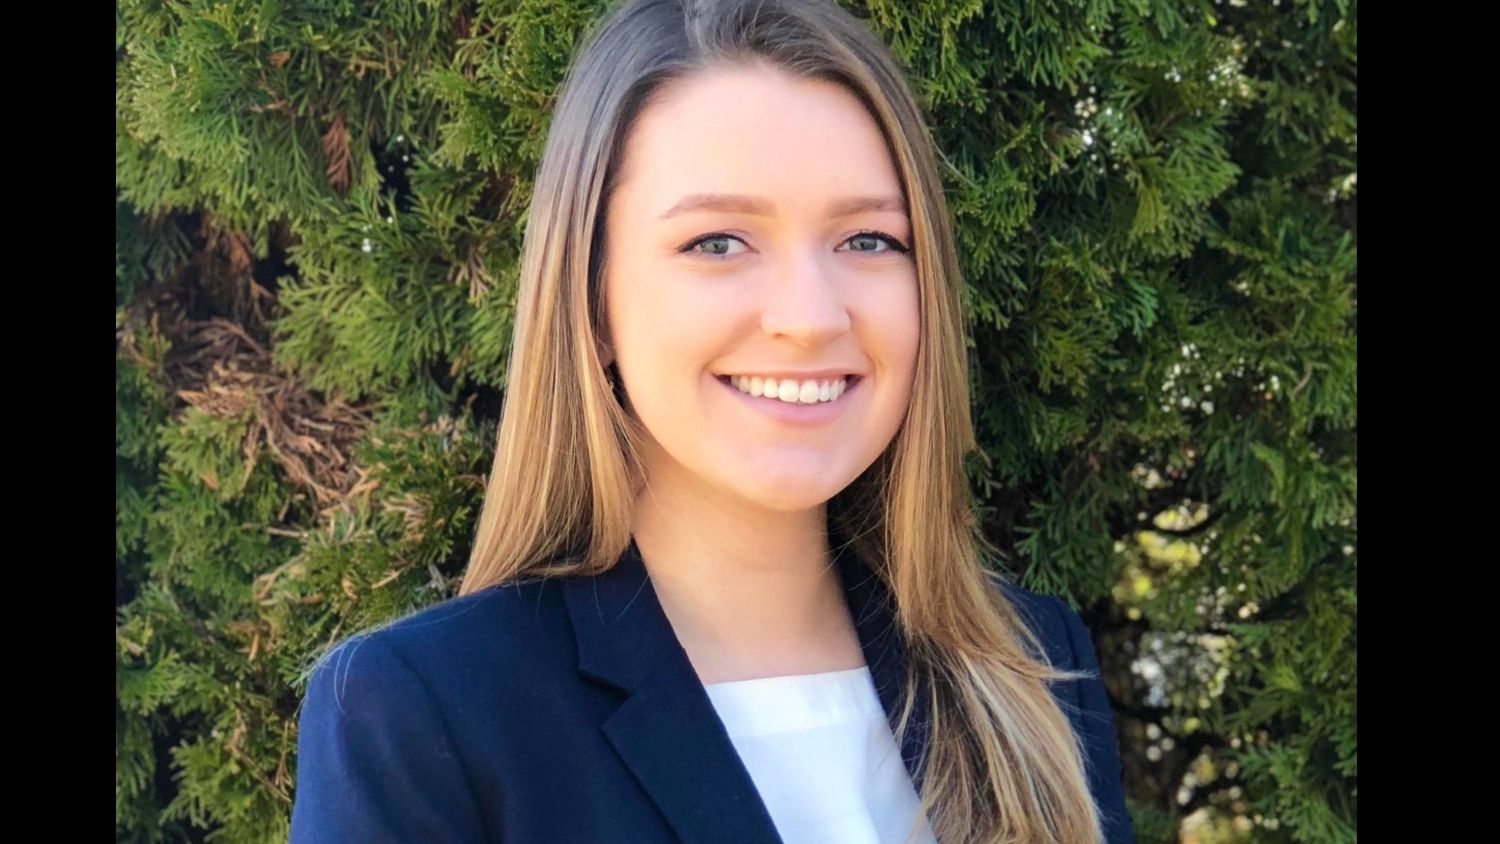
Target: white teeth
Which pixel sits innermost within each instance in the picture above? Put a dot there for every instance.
(790, 391)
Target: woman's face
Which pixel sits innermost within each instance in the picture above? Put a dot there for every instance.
(758, 230)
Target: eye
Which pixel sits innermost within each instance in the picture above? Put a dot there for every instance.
(717, 243)
(869, 241)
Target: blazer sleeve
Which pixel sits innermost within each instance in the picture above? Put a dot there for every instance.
(1096, 720)
(375, 762)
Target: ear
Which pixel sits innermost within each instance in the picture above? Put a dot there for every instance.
(606, 354)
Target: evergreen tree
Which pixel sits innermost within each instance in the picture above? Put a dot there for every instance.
(318, 220)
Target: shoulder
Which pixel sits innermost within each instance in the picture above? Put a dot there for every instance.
(1056, 624)
(1085, 701)
(390, 717)
(440, 650)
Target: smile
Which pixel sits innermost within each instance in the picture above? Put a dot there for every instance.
(791, 391)
(797, 412)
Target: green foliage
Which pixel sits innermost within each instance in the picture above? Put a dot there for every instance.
(1155, 208)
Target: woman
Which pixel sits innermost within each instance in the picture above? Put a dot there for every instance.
(726, 584)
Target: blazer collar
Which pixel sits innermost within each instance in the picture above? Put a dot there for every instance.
(666, 729)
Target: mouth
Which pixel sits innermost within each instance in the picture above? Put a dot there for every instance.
(817, 414)
(820, 391)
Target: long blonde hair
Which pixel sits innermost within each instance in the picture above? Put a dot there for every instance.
(1001, 762)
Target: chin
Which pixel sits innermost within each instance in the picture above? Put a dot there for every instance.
(790, 495)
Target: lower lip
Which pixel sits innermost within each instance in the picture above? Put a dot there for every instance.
(798, 414)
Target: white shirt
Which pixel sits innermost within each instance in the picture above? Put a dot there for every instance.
(822, 757)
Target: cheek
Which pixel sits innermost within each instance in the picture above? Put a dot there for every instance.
(639, 316)
(658, 325)
(895, 324)
(666, 319)
(667, 335)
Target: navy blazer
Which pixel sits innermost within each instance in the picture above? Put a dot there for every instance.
(566, 710)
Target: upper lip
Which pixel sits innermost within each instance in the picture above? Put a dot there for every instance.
(778, 374)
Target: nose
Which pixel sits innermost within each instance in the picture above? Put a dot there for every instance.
(806, 305)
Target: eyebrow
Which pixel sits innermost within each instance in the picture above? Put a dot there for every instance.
(741, 204)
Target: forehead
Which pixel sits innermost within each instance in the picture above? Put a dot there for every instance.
(754, 130)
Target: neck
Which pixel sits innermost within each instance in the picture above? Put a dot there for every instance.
(749, 592)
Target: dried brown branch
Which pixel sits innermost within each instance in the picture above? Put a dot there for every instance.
(338, 162)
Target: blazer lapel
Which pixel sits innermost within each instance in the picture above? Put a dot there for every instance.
(666, 729)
